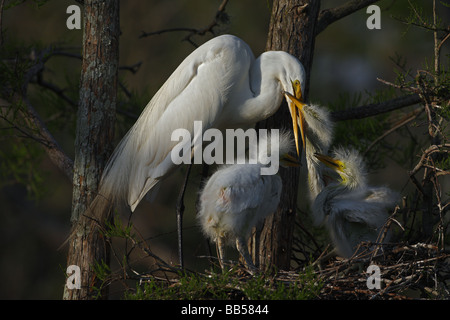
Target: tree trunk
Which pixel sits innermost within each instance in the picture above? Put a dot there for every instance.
(95, 132)
(292, 29)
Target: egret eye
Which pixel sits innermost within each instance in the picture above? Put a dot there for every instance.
(297, 88)
(341, 165)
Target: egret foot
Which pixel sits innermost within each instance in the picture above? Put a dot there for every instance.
(220, 247)
(241, 246)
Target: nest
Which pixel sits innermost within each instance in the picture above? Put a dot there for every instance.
(397, 272)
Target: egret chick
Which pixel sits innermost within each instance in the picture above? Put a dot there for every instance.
(316, 129)
(353, 211)
(237, 197)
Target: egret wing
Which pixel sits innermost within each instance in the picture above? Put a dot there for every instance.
(198, 90)
(364, 212)
(383, 196)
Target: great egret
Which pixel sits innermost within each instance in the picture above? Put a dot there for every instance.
(317, 134)
(237, 197)
(352, 210)
(220, 84)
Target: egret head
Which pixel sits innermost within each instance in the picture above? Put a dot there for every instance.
(295, 100)
(348, 164)
(292, 80)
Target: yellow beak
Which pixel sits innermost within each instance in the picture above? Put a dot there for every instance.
(289, 161)
(329, 161)
(293, 104)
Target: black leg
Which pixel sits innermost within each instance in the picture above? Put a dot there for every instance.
(180, 211)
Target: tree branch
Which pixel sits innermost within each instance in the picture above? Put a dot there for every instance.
(55, 89)
(328, 16)
(154, 33)
(33, 120)
(219, 17)
(374, 109)
(51, 146)
(442, 148)
(410, 117)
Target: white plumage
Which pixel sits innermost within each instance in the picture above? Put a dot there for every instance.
(318, 138)
(221, 84)
(317, 135)
(353, 211)
(237, 197)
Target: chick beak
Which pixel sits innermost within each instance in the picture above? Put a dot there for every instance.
(289, 161)
(297, 120)
(328, 161)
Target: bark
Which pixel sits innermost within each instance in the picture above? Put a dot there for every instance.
(95, 131)
(292, 29)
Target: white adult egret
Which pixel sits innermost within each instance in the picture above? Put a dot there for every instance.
(221, 84)
(352, 210)
(237, 197)
(317, 134)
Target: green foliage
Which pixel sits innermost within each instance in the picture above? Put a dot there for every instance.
(19, 163)
(188, 286)
(115, 228)
(213, 285)
(421, 16)
(360, 133)
(20, 155)
(102, 272)
(13, 65)
(230, 285)
(305, 285)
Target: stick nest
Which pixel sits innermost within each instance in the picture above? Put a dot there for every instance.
(419, 271)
